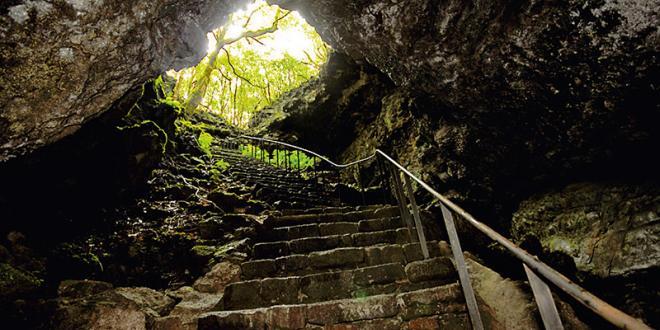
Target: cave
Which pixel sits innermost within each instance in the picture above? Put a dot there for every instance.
(384, 164)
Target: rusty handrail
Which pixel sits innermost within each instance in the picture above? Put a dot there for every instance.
(597, 305)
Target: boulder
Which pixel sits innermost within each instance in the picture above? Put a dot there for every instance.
(210, 228)
(5, 255)
(121, 308)
(226, 200)
(510, 301)
(607, 229)
(218, 278)
(606, 234)
(15, 282)
(148, 299)
(192, 304)
(81, 288)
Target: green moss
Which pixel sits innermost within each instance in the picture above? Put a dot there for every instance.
(204, 140)
(149, 122)
(203, 251)
(223, 250)
(176, 105)
(15, 282)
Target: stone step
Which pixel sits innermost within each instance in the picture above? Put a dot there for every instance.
(330, 228)
(301, 192)
(310, 244)
(354, 216)
(276, 195)
(271, 178)
(337, 209)
(439, 307)
(359, 282)
(340, 259)
(306, 201)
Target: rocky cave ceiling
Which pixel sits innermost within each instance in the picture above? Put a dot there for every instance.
(64, 62)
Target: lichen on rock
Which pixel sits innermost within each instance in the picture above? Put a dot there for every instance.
(63, 63)
(609, 230)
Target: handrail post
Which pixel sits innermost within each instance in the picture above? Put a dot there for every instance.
(403, 208)
(298, 160)
(466, 285)
(606, 311)
(262, 152)
(385, 183)
(359, 177)
(544, 301)
(315, 174)
(418, 220)
(339, 185)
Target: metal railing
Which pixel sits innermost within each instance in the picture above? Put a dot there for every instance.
(535, 269)
(266, 151)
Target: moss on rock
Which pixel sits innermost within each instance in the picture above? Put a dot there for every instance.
(15, 282)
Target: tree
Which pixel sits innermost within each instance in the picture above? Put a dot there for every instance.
(203, 72)
(250, 64)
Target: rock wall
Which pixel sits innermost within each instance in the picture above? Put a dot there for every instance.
(578, 55)
(326, 112)
(497, 101)
(106, 162)
(489, 101)
(509, 97)
(608, 231)
(63, 62)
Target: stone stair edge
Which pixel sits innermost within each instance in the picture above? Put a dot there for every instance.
(406, 305)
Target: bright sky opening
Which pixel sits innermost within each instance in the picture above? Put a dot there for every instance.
(294, 38)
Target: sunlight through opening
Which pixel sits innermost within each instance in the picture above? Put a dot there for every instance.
(261, 53)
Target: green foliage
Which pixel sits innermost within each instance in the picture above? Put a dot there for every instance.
(159, 85)
(204, 141)
(182, 124)
(245, 75)
(279, 158)
(149, 122)
(219, 167)
(166, 95)
(222, 165)
(172, 103)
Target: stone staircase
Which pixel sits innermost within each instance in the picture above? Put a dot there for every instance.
(341, 268)
(288, 189)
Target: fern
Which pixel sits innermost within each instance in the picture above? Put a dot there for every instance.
(204, 141)
(221, 165)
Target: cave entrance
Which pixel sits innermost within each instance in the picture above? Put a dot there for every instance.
(262, 52)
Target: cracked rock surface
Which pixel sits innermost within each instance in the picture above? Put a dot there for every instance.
(64, 62)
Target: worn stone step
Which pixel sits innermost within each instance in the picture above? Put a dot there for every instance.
(329, 229)
(336, 209)
(300, 219)
(305, 245)
(339, 259)
(440, 307)
(359, 282)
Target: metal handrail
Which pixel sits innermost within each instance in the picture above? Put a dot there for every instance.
(598, 306)
(310, 152)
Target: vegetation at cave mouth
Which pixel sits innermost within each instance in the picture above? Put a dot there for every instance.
(261, 53)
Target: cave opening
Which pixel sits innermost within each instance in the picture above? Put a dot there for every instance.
(169, 164)
(260, 53)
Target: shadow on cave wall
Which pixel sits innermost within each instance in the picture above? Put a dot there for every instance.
(60, 190)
